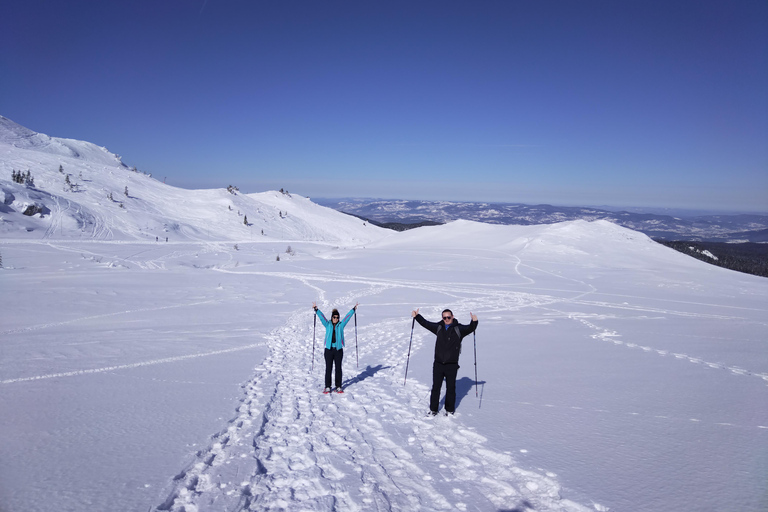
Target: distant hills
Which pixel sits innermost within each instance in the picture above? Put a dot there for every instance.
(53, 187)
(400, 213)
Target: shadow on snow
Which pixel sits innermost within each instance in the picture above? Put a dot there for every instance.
(370, 371)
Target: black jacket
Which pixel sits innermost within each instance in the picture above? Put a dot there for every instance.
(448, 343)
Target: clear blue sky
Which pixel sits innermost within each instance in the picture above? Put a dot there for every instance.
(625, 103)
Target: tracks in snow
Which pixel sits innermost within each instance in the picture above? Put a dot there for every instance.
(290, 447)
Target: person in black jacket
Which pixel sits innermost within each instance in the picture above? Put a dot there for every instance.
(447, 349)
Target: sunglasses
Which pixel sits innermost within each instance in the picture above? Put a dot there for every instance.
(447, 317)
(335, 316)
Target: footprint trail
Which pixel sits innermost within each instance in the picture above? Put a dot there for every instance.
(290, 447)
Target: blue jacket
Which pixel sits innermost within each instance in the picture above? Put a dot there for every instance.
(339, 329)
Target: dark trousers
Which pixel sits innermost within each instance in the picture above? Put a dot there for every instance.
(448, 372)
(333, 356)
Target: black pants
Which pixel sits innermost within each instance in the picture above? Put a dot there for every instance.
(334, 356)
(448, 372)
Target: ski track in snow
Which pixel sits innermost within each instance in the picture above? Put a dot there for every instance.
(131, 365)
(613, 337)
(504, 300)
(373, 448)
(105, 315)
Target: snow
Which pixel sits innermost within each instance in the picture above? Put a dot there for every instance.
(613, 373)
(99, 208)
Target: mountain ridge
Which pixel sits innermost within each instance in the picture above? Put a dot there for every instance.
(76, 189)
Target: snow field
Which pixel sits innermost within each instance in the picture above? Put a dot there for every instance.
(370, 448)
(604, 382)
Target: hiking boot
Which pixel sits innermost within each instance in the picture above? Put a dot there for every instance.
(327, 390)
(339, 390)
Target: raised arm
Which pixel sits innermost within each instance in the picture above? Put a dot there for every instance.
(469, 329)
(349, 315)
(320, 315)
(430, 326)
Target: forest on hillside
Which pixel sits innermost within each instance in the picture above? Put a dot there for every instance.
(748, 257)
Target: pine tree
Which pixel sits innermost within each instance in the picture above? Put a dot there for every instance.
(245, 220)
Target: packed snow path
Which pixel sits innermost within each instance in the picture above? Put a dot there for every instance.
(290, 447)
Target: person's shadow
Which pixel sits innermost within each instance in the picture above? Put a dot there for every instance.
(370, 371)
(465, 386)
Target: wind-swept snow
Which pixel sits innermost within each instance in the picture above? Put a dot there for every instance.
(613, 373)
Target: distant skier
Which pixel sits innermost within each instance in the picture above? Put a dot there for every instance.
(447, 349)
(334, 345)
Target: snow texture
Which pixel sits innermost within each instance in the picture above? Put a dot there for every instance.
(135, 374)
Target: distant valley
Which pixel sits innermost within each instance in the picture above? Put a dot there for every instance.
(691, 227)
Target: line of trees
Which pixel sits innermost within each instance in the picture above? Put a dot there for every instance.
(748, 257)
(23, 178)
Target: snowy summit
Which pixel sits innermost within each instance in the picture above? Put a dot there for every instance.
(79, 190)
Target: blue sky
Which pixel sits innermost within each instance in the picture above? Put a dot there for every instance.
(624, 103)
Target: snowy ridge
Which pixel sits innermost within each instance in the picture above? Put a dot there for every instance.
(17, 136)
(85, 192)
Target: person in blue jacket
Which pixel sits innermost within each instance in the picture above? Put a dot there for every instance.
(334, 344)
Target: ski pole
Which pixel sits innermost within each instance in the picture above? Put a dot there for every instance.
(357, 356)
(314, 328)
(474, 336)
(409, 352)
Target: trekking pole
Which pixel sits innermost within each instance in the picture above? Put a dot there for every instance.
(409, 351)
(314, 328)
(357, 356)
(474, 336)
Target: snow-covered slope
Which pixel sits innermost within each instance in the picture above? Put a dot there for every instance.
(187, 376)
(83, 191)
(17, 136)
(612, 373)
